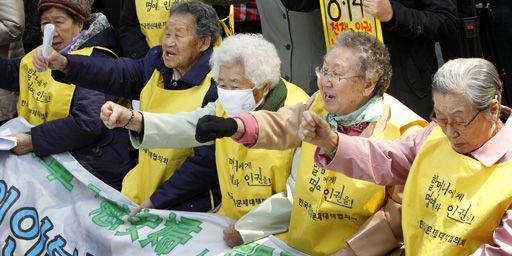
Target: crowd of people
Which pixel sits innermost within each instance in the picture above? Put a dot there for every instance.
(319, 147)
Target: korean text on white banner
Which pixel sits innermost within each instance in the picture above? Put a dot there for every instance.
(53, 206)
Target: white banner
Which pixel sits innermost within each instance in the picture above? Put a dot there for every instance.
(54, 206)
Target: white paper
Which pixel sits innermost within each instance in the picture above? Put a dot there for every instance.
(5, 131)
(48, 39)
(8, 142)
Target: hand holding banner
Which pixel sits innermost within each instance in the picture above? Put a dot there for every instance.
(7, 142)
(342, 15)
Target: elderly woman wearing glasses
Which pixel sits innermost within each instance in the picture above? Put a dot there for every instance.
(456, 171)
(329, 208)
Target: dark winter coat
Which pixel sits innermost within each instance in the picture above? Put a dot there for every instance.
(188, 188)
(103, 152)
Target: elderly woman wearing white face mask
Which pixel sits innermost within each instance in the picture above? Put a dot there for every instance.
(246, 69)
(456, 171)
(328, 209)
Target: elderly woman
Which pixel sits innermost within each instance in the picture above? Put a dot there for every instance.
(171, 78)
(456, 171)
(246, 69)
(65, 118)
(142, 23)
(329, 208)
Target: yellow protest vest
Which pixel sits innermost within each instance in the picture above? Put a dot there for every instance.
(452, 203)
(43, 99)
(329, 207)
(249, 176)
(157, 165)
(294, 94)
(153, 15)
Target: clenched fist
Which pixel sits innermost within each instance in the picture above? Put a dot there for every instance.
(54, 61)
(114, 115)
(213, 127)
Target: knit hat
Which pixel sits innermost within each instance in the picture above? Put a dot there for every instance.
(80, 8)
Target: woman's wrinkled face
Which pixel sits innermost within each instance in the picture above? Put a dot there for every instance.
(181, 47)
(342, 88)
(65, 27)
(232, 77)
(466, 127)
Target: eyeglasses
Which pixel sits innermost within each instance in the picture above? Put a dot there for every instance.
(459, 126)
(331, 76)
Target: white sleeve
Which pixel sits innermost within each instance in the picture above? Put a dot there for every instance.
(172, 130)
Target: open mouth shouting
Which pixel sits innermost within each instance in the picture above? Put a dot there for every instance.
(168, 55)
(328, 97)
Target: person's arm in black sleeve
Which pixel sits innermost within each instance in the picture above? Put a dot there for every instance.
(301, 5)
(121, 77)
(435, 21)
(133, 42)
(80, 128)
(195, 176)
(10, 74)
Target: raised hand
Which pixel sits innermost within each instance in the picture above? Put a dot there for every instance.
(114, 115)
(380, 9)
(213, 127)
(313, 129)
(54, 61)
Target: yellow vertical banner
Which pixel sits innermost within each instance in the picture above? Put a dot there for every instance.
(342, 15)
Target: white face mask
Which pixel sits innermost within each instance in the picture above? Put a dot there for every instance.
(237, 102)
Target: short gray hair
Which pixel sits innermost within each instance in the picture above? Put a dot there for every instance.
(205, 18)
(476, 78)
(374, 62)
(258, 57)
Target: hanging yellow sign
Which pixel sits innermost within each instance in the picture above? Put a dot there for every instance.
(342, 15)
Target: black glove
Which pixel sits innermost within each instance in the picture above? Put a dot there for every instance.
(212, 127)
